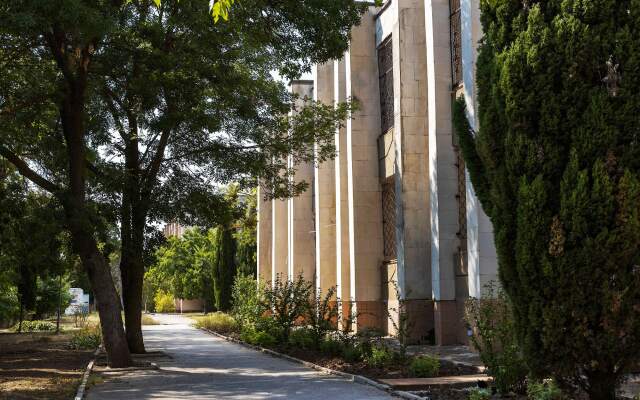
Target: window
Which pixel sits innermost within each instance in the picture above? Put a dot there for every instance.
(389, 219)
(385, 76)
(456, 42)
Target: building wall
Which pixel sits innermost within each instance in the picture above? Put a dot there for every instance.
(443, 242)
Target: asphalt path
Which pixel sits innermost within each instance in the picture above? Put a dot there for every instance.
(203, 366)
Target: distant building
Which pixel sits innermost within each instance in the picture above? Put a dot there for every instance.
(173, 229)
(79, 302)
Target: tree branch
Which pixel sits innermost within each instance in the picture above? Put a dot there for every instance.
(26, 171)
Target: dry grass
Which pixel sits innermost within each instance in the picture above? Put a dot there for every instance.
(217, 322)
(148, 320)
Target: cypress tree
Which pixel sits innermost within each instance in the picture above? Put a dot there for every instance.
(224, 267)
(555, 164)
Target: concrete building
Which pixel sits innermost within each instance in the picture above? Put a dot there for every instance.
(393, 221)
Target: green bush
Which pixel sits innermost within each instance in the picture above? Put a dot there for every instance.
(424, 367)
(288, 301)
(322, 315)
(351, 353)
(35, 326)
(479, 394)
(380, 356)
(303, 338)
(164, 302)
(248, 306)
(331, 347)
(544, 391)
(494, 337)
(87, 338)
(258, 338)
(218, 322)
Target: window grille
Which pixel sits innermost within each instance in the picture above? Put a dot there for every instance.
(462, 216)
(456, 42)
(389, 219)
(385, 76)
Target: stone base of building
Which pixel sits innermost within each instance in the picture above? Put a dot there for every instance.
(370, 315)
(419, 319)
(446, 322)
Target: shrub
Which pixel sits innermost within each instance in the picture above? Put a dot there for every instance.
(494, 338)
(164, 302)
(351, 353)
(288, 302)
(424, 367)
(218, 322)
(86, 338)
(258, 338)
(331, 347)
(303, 338)
(544, 391)
(148, 320)
(35, 326)
(380, 356)
(479, 394)
(322, 315)
(247, 299)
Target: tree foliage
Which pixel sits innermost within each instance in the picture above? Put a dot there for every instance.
(130, 109)
(555, 165)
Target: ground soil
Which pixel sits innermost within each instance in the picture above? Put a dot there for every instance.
(40, 366)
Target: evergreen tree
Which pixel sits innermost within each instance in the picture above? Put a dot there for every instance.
(224, 266)
(555, 164)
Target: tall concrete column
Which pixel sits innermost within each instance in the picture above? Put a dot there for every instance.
(443, 177)
(482, 260)
(301, 230)
(279, 240)
(343, 269)
(363, 186)
(325, 194)
(264, 236)
(412, 164)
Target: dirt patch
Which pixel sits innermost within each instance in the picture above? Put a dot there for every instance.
(40, 366)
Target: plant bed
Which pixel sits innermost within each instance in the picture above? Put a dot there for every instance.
(396, 369)
(40, 366)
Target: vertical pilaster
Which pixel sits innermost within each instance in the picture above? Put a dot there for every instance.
(363, 186)
(343, 270)
(264, 236)
(301, 231)
(443, 179)
(279, 240)
(325, 194)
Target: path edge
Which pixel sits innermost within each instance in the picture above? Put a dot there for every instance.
(85, 377)
(352, 377)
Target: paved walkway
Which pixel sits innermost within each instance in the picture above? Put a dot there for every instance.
(203, 366)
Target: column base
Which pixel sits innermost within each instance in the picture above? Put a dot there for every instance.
(446, 322)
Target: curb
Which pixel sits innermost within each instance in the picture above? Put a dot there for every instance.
(85, 376)
(354, 378)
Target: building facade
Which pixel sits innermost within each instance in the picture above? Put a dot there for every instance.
(392, 222)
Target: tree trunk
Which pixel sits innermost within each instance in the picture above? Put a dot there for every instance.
(602, 386)
(133, 269)
(108, 302)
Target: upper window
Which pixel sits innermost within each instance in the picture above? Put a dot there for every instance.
(385, 71)
(456, 42)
